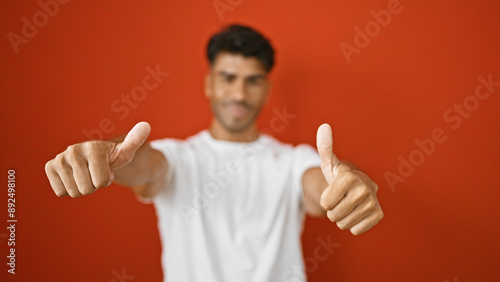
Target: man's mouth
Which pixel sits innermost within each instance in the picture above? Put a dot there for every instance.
(237, 111)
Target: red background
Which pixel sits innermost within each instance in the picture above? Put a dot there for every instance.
(440, 224)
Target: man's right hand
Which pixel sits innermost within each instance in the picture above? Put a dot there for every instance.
(85, 167)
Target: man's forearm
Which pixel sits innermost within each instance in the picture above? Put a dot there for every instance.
(146, 173)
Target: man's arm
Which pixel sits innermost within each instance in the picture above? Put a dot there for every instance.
(313, 185)
(128, 160)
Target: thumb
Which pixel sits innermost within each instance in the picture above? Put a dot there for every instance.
(324, 143)
(124, 151)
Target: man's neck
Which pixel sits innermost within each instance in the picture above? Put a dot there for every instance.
(220, 133)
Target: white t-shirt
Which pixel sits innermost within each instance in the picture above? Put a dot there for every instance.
(232, 211)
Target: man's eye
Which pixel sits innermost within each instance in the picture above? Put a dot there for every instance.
(253, 82)
(228, 79)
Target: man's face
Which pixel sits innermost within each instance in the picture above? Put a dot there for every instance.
(237, 88)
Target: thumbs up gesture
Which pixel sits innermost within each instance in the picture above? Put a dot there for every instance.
(85, 167)
(351, 196)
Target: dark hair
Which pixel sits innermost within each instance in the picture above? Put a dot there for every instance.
(238, 39)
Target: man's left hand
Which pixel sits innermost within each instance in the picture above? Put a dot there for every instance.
(351, 196)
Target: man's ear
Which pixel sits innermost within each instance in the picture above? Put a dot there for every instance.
(208, 85)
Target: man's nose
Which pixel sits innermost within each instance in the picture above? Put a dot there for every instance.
(239, 91)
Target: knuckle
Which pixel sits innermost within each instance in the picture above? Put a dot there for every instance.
(351, 176)
(325, 198)
(371, 205)
(74, 195)
(363, 192)
(380, 215)
(48, 166)
(59, 160)
(93, 146)
(330, 216)
(72, 151)
(101, 183)
(102, 179)
(71, 148)
(333, 216)
(87, 191)
(90, 145)
(60, 193)
(341, 225)
(325, 166)
(323, 202)
(359, 195)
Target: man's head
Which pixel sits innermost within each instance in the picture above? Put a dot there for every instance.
(237, 83)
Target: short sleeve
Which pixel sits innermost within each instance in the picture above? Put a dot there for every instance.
(169, 148)
(305, 157)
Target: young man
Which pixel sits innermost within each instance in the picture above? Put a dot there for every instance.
(230, 201)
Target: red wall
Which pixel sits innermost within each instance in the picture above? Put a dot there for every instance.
(440, 224)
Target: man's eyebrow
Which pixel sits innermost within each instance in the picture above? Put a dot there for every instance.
(253, 76)
(223, 73)
(256, 76)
